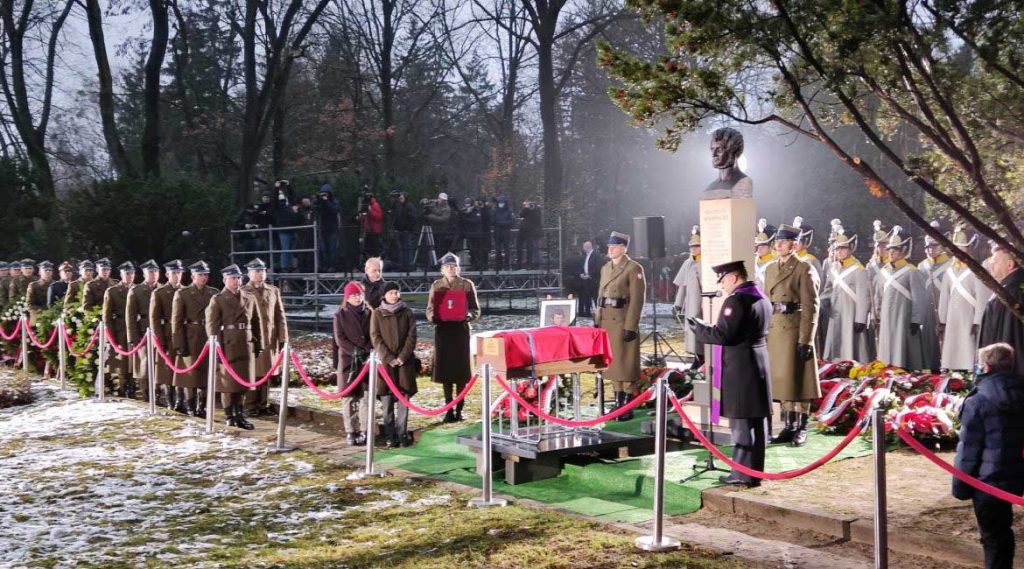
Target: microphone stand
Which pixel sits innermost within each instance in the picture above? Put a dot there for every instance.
(709, 462)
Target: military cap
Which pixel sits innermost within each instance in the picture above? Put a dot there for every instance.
(231, 271)
(28, 263)
(199, 268)
(617, 238)
(806, 231)
(126, 266)
(150, 265)
(787, 232)
(841, 239)
(879, 234)
(45, 265)
(104, 263)
(86, 264)
(694, 236)
(15, 265)
(256, 264)
(175, 265)
(961, 240)
(928, 239)
(726, 268)
(3, 265)
(66, 266)
(896, 241)
(449, 259)
(765, 233)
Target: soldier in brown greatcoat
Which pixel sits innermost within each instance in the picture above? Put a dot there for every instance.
(35, 296)
(137, 321)
(87, 272)
(5, 283)
(115, 306)
(188, 330)
(452, 368)
(274, 332)
(160, 305)
(97, 287)
(233, 317)
(792, 287)
(620, 302)
(19, 283)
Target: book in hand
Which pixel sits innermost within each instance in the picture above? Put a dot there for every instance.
(451, 306)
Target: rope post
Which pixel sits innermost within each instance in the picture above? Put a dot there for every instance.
(371, 420)
(101, 385)
(657, 541)
(24, 344)
(487, 500)
(881, 512)
(211, 379)
(150, 371)
(282, 409)
(62, 355)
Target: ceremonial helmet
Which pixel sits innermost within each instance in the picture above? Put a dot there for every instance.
(806, 231)
(841, 239)
(694, 236)
(765, 233)
(879, 235)
(961, 240)
(930, 241)
(897, 241)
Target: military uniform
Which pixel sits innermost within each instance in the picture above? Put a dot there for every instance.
(962, 298)
(77, 286)
(188, 330)
(452, 367)
(620, 301)
(97, 287)
(847, 336)
(764, 237)
(137, 321)
(235, 319)
(804, 240)
(160, 308)
(791, 285)
(5, 284)
(687, 281)
(35, 296)
(903, 303)
(58, 289)
(274, 331)
(115, 308)
(19, 283)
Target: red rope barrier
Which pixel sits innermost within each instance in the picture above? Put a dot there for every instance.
(325, 394)
(122, 352)
(88, 347)
(14, 334)
(963, 476)
(35, 341)
(640, 399)
(772, 475)
(170, 362)
(238, 379)
(383, 371)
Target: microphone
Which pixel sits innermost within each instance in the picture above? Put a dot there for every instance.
(715, 294)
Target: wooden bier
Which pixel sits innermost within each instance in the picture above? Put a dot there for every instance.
(492, 351)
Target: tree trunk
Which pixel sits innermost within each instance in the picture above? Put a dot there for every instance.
(118, 157)
(277, 135)
(154, 64)
(549, 121)
(387, 95)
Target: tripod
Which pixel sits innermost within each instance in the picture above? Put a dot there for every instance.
(656, 336)
(705, 413)
(427, 234)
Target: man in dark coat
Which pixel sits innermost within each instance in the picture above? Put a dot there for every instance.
(373, 281)
(998, 324)
(404, 224)
(741, 330)
(991, 439)
(589, 269)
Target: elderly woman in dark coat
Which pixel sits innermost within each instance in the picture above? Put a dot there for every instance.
(452, 368)
(352, 335)
(393, 333)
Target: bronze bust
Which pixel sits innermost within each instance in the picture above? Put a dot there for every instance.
(726, 148)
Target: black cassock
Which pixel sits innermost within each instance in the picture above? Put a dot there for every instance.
(998, 324)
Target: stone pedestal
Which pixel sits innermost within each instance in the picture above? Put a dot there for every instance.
(727, 230)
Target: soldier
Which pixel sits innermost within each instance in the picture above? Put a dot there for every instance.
(274, 332)
(687, 304)
(746, 389)
(847, 337)
(620, 300)
(763, 250)
(35, 296)
(97, 287)
(5, 283)
(188, 330)
(87, 272)
(19, 284)
(903, 302)
(160, 305)
(792, 287)
(137, 321)
(115, 308)
(232, 315)
(825, 292)
(58, 289)
(962, 299)
(934, 268)
(451, 338)
(805, 240)
(879, 257)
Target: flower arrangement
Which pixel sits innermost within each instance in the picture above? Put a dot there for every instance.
(45, 322)
(529, 389)
(80, 325)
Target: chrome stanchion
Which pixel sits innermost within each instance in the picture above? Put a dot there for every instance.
(282, 410)
(211, 380)
(881, 513)
(371, 420)
(24, 344)
(657, 541)
(487, 500)
(62, 354)
(150, 371)
(101, 386)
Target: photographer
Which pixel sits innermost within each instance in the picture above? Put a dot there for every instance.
(285, 215)
(486, 222)
(327, 220)
(503, 220)
(372, 218)
(472, 221)
(530, 232)
(438, 214)
(403, 222)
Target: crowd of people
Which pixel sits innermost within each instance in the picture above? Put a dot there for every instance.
(487, 233)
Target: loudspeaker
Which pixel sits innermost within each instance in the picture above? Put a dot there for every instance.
(648, 241)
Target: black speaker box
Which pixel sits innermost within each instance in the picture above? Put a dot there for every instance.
(648, 240)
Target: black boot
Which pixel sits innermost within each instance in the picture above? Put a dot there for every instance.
(449, 417)
(788, 431)
(199, 407)
(458, 410)
(229, 416)
(131, 388)
(800, 432)
(184, 406)
(240, 418)
(621, 398)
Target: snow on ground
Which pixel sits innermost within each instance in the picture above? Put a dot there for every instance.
(83, 482)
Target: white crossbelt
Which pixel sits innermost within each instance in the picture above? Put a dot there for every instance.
(958, 285)
(838, 277)
(936, 274)
(890, 281)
